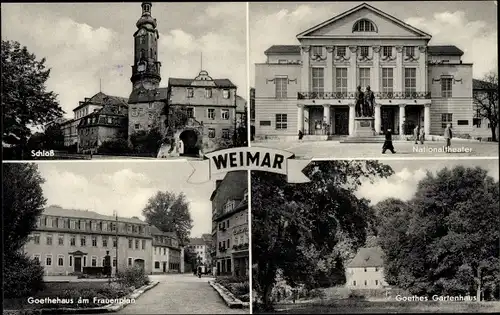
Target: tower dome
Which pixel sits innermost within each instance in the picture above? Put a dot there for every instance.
(146, 17)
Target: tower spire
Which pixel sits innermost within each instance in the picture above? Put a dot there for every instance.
(100, 84)
(201, 61)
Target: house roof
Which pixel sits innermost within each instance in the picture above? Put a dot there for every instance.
(483, 85)
(444, 50)
(101, 99)
(283, 49)
(157, 231)
(369, 7)
(197, 241)
(367, 257)
(221, 83)
(54, 210)
(143, 95)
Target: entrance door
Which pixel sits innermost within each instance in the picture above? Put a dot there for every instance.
(139, 263)
(189, 138)
(78, 264)
(164, 267)
(341, 121)
(387, 113)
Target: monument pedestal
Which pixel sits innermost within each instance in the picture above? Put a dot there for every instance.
(364, 127)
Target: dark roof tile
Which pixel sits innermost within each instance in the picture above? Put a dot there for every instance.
(283, 49)
(142, 95)
(446, 50)
(85, 214)
(367, 257)
(221, 83)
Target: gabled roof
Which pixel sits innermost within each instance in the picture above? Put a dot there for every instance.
(483, 85)
(368, 257)
(369, 7)
(283, 49)
(101, 99)
(221, 83)
(85, 214)
(143, 95)
(444, 50)
(197, 241)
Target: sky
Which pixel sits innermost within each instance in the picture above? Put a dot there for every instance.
(403, 184)
(469, 25)
(83, 42)
(126, 187)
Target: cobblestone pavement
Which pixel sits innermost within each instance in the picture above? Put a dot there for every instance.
(404, 149)
(180, 294)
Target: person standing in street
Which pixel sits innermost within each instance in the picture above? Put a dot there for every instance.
(416, 133)
(448, 135)
(388, 142)
(422, 135)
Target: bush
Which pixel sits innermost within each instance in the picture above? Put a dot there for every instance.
(133, 277)
(115, 146)
(23, 276)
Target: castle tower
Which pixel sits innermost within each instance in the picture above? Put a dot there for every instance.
(146, 68)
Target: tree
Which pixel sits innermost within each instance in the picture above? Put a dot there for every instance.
(53, 137)
(486, 99)
(298, 228)
(146, 141)
(25, 100)
(23, 203)
(170, 213)
(114, 146)
(445, 240)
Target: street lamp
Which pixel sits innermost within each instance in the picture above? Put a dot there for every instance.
(115, 213)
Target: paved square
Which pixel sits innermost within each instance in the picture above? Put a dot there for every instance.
(180, 294)
(336, 150)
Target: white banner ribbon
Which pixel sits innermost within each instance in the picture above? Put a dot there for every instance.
(250, 158)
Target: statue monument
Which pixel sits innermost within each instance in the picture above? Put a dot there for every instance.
(364, 122)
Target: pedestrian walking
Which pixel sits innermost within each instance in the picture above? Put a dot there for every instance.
(388, 142)
(416, 133)
(448, 135)
(422, 135)
(301, 134)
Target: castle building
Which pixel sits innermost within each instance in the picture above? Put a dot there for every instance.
(166, 252)
(85, 108)
(366, 270)
(104, 124)
(230, 224)
(147, 100)
(67, 240)
(211, 106)
(311, 86)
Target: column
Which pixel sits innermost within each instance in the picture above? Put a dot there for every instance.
(398, 79)
(326, 117)
(422, 65)
(352, 73)
(182, 260)
(378, 118)
(427, 119)
(375, 84)
(300, 117)
(305, 69)
(329, 69)
(401, 119)
(352, 114)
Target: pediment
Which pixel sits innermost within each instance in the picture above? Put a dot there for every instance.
(342, 25)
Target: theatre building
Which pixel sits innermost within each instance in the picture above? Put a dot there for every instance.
(311, 86)
(67, 240)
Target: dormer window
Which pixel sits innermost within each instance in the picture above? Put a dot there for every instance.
(225, 93)
(364, 26)
(190, 92)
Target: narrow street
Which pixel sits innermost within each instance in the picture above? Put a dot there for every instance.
(180, 294)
